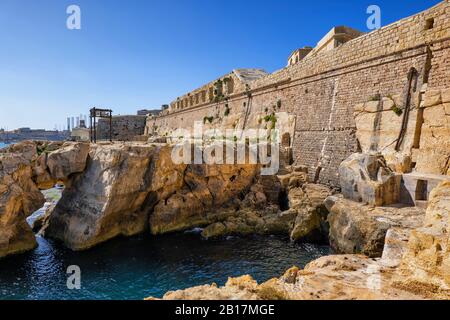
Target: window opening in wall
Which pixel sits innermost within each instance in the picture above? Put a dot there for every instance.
(429, 24)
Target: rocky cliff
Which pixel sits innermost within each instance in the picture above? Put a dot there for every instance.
(111, 190)
(24, 168)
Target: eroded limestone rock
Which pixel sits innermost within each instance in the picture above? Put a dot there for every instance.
(207, 193)
(359, 228)
(344, 277)
(69, 159)
(367, 178)
(24, 169)
(422, 274)
(260, 211)
(114, 195)
(19, 197)
(310, 222)
(426, 263)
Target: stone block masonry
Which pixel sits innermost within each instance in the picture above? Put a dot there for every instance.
(322, 91)
(124, 128)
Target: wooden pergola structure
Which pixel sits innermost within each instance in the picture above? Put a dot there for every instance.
(99, 113)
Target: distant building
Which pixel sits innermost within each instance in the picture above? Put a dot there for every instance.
(145, 112)
(24, 130)
(33, 134)
(80, 133)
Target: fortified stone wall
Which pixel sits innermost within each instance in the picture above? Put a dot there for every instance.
(124, 128)
(324, 91)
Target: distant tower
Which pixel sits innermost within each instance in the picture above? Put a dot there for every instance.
(68, 124)
(73, 122)
(78, 122)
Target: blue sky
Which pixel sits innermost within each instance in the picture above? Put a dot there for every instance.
(143, 53)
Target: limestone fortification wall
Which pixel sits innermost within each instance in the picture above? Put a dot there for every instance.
(365, 81)
(124, 128)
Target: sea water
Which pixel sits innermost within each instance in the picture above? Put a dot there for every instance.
(145, 265)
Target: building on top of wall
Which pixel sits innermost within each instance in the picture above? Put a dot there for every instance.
(333, 39)
(336, 37)
(145, 112)
(233, 82)
(298, 55)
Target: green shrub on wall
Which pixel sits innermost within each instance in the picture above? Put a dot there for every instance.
(209, 119)
(398, 111)
(227, 110)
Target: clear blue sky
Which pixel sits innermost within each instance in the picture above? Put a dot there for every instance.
(144, 53)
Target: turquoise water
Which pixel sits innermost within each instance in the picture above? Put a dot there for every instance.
(2, 145)
(142, 266)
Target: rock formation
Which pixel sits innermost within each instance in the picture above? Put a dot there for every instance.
(125, 189)
(361, 229)
(206, 193)
(433, 155)
(111, 197)
(19, 197)
(24, 168)
(345, 277)
(367, 178)
(425, 266)
(414, 265)
(261, 211)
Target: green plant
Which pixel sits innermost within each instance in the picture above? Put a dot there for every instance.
(209, 119)
(271, 118)
(376, 97)
(398, 111)
(248, 90)
(227, 110)
(279, 103)
(41, 149)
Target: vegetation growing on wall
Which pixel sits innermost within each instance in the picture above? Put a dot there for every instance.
(208, 119)
(398, 111)
(227, 110)
(376, 97)
(41, 149)
(279, 103)
(271, 118)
